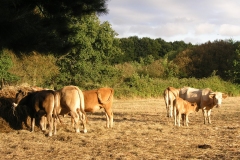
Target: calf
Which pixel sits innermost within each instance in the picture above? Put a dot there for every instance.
(184, 107)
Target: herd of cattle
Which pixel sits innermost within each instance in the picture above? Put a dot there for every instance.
(48, 105)
(181, 102)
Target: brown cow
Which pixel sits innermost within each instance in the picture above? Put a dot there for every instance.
(206, 99)
(37, 103)
(184, 108)
(169, 95)
(100, 98)
(70, 99)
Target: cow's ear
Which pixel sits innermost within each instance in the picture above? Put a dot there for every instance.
(224, 95)
(25, 93)
(211, 95)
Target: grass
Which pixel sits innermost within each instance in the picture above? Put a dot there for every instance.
(141, 131)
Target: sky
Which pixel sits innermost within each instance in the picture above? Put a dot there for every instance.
(191, 21)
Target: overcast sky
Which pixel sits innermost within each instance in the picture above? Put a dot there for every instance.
(195, 21)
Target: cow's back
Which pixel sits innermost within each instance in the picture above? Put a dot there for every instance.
(66, 99)
(191, 95)
(205, 94)
(184, 106)
(99, 98)
(44, 100)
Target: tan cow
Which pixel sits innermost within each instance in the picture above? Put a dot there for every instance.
(37, 103)
(206, 99)
(70, 99)
(184, 108)
(100, 98)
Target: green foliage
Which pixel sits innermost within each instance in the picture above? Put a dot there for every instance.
(36, 69)
(146, 87)
(91, 60)
(234, 71)
(5, 65)
(139, 49)
(217, 55)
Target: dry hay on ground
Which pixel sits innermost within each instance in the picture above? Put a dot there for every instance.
(141, 131)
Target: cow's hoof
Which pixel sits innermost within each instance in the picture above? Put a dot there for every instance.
(84, 131)
(77, 131)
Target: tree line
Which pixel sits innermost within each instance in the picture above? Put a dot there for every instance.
(70, 46)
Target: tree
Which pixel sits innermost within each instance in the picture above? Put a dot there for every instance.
(234, 72)
(43, 26)
(212, 57)
(90, 62)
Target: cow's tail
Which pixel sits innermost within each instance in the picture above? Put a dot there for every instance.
(173, 91)
(109, 98)
(166, 97)
(82, 116)
(56, 106)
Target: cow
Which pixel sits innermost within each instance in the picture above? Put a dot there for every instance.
(169, 95)
(37, 103)
(70, 99)
(100, 98)
(206, 99)
(184, 108)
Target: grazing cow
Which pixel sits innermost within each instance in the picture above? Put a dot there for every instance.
(100, 98)
(36, 104)
(184, 108)
(70, 99)
(206, 99)
(169, 95)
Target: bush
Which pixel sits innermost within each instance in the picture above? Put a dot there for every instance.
(138, 86)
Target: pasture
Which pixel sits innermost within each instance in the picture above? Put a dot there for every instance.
(141, 131)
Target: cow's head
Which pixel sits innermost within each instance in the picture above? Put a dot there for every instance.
(217, 97)
(20, 95)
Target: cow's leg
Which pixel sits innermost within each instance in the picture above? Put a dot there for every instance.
(183, 119)
(109, 117)
(50, 122)
(43, 119)
(204, 115)
(43, 123)
(208, 115)
(175, 115)
(83, 117)
(179, 118)
(167, 103)
(75, 116)
(170, 106)
(54, 119)
(186, 119)
(25, 116)
(32, 123)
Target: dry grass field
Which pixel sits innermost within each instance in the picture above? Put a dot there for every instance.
(141, 131)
